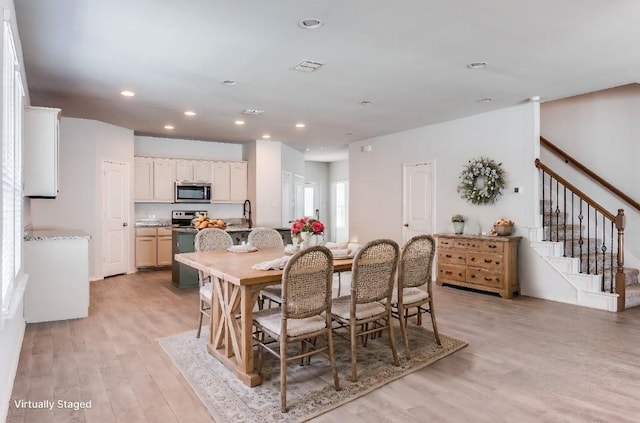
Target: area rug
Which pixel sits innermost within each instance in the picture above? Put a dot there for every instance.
(310, 391)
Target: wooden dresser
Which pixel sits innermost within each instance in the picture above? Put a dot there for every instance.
(487, 263)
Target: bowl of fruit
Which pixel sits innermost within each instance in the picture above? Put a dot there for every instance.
(503, 227)
(203, 222)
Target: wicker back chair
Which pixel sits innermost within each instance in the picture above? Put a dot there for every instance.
(209, 239)
(373, 276)
(265, 238)
(414, 274)
(304, 315)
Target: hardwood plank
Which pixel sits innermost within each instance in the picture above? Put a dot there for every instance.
(528, 360)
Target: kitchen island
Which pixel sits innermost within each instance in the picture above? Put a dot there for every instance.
(182, 241)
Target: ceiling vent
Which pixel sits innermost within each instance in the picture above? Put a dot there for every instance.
(252, 112)
(308, 66)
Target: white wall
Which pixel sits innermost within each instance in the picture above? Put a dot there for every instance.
(267, 209)
(509, 136)
(12, 326)
(84, 145)
(601, 130)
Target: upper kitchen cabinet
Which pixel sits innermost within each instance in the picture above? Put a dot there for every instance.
(41, 144)
(154, 179)
(229, 182)
(193, 170)
(238, 183)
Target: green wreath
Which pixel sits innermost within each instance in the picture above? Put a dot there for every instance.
(482, 181)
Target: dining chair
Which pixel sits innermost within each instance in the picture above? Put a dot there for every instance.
(305, 315)
(372, 279)
(209, 239)
(414, 275)
(266, 238)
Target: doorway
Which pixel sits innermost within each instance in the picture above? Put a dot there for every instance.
(115, 212)
(418, 207)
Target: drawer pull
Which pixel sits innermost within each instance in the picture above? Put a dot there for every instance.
(488, 260)
(448, 255)
(473, 259)
(488, 279)
(473, 276)
(448, 272)
(493, 246)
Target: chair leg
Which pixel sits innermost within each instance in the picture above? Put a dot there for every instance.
(433, 321)
(391, 339)
(352, 334)
(419, 316)
(339, 283)
(403, 330)
(332, 358)
(283, 376)
(200, 321)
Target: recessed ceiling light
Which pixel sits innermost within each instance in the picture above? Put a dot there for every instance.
(307, 149)
(127, 93)
(190, 113)
(229, 82)
(169, 127)
(365, 103)
(266, 136)
(300, 125)
(477, 65)
(310, 23)
(239, 122)
(485, 100)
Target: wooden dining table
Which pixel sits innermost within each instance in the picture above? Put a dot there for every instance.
(235, 289)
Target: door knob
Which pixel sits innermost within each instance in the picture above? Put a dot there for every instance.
(406, 225)
(125, 224)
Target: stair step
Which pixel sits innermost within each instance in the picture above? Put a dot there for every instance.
(592, 264)
(557, 232)
(589, 245)
(553, 218)
(632, 296)
(630, 277)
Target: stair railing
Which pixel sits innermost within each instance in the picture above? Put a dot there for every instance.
(559, 200)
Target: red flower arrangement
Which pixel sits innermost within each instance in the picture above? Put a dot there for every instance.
(307, 224)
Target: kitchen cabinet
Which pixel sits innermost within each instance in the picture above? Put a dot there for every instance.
(221, 181)
(238, 182)
(193, 170)
(202, 171)
(184, 170)
(229, 182)
(163, 180)
(153, 247)
(143, 179)
(41, 145)
(486, 263)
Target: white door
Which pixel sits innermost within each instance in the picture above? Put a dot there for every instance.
(417, 200)
(115, 214)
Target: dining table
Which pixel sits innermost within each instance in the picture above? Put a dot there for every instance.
(235, 289)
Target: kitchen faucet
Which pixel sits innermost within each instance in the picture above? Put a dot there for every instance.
(246, 212)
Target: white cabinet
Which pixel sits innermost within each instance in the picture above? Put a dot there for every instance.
(163, 180)
(221, 181)
(153, 247)
(184, 170)
(202, 171)
(143, 179)
(238, 183)
(229, 182)
(41, 144)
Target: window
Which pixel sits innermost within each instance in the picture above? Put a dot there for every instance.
(12, 94)
(341, 210)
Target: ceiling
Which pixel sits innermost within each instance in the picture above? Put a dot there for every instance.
(408, 58)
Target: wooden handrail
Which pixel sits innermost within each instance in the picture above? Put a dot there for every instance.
(579, 193)
(582, 168)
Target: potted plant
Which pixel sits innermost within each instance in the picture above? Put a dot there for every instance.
(458, 223)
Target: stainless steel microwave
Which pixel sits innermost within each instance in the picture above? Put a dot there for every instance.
(192, 192)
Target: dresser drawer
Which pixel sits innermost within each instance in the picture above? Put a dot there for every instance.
(146, 232)
(445, 243)
(491, 247)
(467, 244)
(451, 273)
(485, 277)
(491, 262)
(454, 257)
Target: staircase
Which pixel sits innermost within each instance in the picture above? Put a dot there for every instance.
(579, 258)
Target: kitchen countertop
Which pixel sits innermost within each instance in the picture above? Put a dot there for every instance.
(54, 234)
(153, 223)
(190, 229)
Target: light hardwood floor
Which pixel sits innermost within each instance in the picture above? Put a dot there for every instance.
(528, 360)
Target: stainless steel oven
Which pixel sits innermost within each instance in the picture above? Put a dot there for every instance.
(192, 192)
